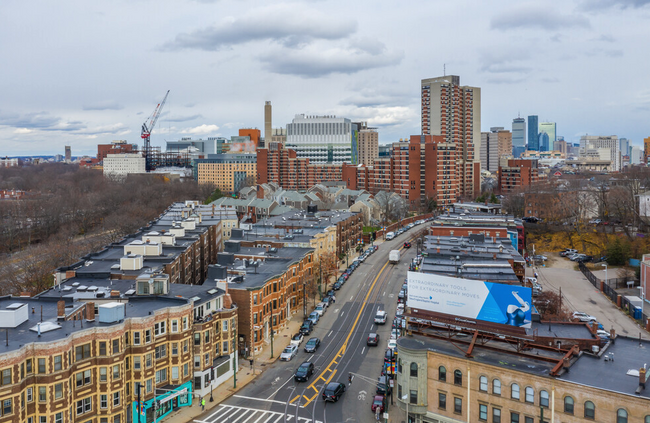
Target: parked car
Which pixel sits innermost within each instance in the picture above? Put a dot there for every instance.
(568, 251)
(390, 355)
(392, 344)
(540, 257)
(603, 333)
(583, 317)
(307, 327)
(313, 316)
(379, 401)
(337, 286)
(373, 340)
(383, 386)
(320, 309)
(297, 339)
(288, 353)
(595, 221)
(304, 372)
(333, 391)
(312, 345)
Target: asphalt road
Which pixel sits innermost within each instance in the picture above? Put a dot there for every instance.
(275, 397)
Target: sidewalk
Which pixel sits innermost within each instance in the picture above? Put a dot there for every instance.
(244, 375)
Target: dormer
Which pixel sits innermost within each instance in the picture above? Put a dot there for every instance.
(145, 248)
(131, 262)
(189, 224)
(152, 284)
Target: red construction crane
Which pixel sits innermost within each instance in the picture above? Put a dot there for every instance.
(148, 127)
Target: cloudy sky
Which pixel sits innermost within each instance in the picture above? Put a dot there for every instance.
(79, 73)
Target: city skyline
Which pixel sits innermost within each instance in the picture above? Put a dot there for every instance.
(101, 71)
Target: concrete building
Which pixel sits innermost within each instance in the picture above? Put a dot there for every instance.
(115, 147)
(610, 143)
(547, 142)
(68, 154)
(518, 134)
(7, 162)
(268, 122)
(624, 146)
(454, 112)
(118, 166)
(533, 132)
(495, 144)
(321, 139)
(636, 155)
(227, 172)
(211, 145)
(368, 144)
(561, 146)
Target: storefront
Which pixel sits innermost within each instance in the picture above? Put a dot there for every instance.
(168, 399)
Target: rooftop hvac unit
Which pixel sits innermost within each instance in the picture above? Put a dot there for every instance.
(111, 312)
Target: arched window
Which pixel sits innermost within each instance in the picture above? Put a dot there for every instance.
(590, 410)
(442, 374)
(621, 416)
(483, 383)
(458, 378)
(543, 398)
(496, 387)
(514, 391)
(414, 369)
(568, 405)
(647, 419)
(530, 395)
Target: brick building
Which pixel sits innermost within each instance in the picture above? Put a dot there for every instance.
(518, 175)
(115, 147)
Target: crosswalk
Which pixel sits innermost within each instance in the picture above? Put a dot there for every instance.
(234, 414)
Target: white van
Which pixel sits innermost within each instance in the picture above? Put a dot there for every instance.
(390, 235)
(380, 317)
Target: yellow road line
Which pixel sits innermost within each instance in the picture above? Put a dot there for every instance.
(297, 396)
(345, 344)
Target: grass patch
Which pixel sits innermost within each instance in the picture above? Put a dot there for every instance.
(370, 229)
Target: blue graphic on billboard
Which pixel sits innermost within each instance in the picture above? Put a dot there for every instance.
(490, 302)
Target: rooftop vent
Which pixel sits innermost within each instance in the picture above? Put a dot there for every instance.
(45, 327)
(212, 291)
(111, 312)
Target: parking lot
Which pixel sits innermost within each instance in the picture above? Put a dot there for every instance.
(580, 295)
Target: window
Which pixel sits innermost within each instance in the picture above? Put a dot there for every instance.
(647, 419)
(197, 339)
(442, 374)
(458, 405)
(543, 398)
(225, 347)
(621, 416)
(41, 365)
(58, 418)
(82, 352)
(116, 346)
(28, 365)
(58, 391)
(147, 336)
(159, 328)
(174, 348)
(103, 401)
(442, 401)
(482, 412)
(58, 362)
(568, 405)
(206, 359)
(136, 362)
(84, 405)
(30, 394)
(6, 377)
(206, 336)
(82, 378)
(103, 375)
(116, 371)
(174, 372)
(528, 419)
(483, 384)
(42, 394)
(117, 419)
(184, 323)
(514, 417)
(116, 399)
(496, 387)
(147, 360)
(530, 395)
(514, 391)
(161, 375)
(102, 348)
(161, 351)
(458, 378)
(149, 385)
(413, 398)
(496, 415)
(414, 369)
(186, 344)
(136, 338)
(224, 327)
(186, 369)
(174, 326)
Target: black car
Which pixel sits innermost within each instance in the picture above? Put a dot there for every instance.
(330, 293)
(337, 286)
(383, 386)
(389, 356)
(312, 345)
(307, 327)
(373, 340)
(333, 391)
(303, 372)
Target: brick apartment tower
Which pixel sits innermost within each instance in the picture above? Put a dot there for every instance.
(454, 112)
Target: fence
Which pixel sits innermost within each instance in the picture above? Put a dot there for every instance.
(610, 290)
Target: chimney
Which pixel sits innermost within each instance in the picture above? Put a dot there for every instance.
(642, 377)
(70, 274)
(227, 301)
(438, 250)
(494, 256)
(612, 334)
(60, 310)
(25, 294)
(594, 327)
(90, 311)
(566, 363)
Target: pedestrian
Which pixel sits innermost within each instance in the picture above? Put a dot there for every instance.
(202, 404)
(333, 298)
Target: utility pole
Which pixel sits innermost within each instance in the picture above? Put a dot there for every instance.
(139, 402)
(272, 341)
(236, 362)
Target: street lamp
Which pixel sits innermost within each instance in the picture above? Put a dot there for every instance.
(605, 264)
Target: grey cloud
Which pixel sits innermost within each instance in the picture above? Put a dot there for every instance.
(503, 62)
(504, 68)
(604, 52)
(105, 105)
(317, 62)
(608, 38)
(180, 118)
(38, 120)
(505, 80)
(289, 25)
(596, 5)
(374, 99)
(551, 79)
(539, 17)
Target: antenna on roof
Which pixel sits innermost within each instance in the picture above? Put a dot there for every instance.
(444, 69)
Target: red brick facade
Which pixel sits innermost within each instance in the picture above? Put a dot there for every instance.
(517, 175)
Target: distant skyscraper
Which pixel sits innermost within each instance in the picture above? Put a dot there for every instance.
(548, 128)
(268, 126)
(368, 141)
(625, 146)
(68, 154)
(495, 144)
(519, 132)
(321, 139)
(543, 142)
(454, 112)
(533, 133)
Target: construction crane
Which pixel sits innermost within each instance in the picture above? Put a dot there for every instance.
(147, 127)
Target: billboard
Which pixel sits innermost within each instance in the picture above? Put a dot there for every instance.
(490, 302)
